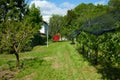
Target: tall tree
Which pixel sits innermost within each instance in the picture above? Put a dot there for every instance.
(12, 9)
(19, 28)
(114, 8)
(70, 21)
(55, 24)
(114, 5)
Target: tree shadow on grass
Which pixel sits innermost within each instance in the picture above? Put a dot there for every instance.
(10, 71)
(110, 73)
(104, 68)
(25, 63)
(31, 62)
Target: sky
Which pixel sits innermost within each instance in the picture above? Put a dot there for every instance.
(60, 7)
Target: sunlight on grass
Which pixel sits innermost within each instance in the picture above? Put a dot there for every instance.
(59, 61)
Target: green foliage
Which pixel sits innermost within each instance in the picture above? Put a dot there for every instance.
(114, 8)
(18, 26)
(12, 10)
(56, 25)
(94, 19)
(111, 48)
(16, 34)
(34, 18)
(114, 5)
(38, 39)
(70, 21)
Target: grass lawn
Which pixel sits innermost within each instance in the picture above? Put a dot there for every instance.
(59, 61)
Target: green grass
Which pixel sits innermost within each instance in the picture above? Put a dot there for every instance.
(59, 61)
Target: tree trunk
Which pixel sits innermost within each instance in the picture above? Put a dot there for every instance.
(88, 55)
(73, 42)
(96, 55)
(83, 49)
(17, 56)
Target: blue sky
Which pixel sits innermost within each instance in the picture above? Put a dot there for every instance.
(76, 2)
(60, 7)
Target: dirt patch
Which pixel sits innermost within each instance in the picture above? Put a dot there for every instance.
(28, 58)
(29, 77)
(56, 65)
(7, 75)
(89, 69)
(48, 58)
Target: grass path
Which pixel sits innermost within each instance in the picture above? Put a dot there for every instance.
(60, 61)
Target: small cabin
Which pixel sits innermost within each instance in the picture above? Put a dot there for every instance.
(56, 37)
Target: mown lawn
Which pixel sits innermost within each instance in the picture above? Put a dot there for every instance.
(59, 61)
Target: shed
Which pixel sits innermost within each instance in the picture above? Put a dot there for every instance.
(56, 37)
